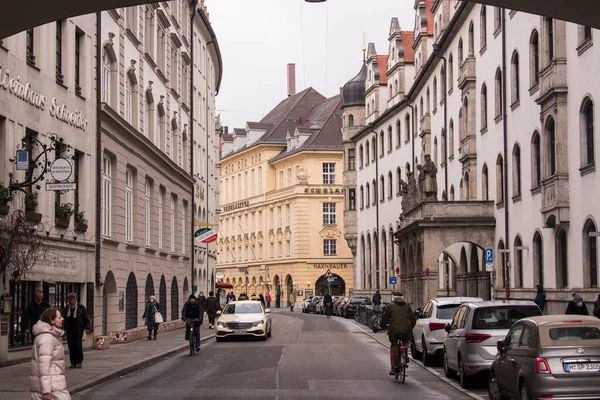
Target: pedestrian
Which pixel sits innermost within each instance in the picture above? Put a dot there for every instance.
(152, 308)
(243, 296)
(577, 306)
(47, 379)
(262, 300)
(76, 322)
(377, 298)
(34, 310)
(232, 296)
(540, 298)
(278, 299)
(211, 309)
(597, 307)
(268, 299)
(292, 300)
(192, 314)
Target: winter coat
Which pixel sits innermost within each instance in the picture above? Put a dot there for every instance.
(597, 308)
(377, 299)
(47, 373)
(540, 300)
(192, 311)
(33, 312)
(211, 306)
(573, 309)
(268, 298)
(83, 320)
(400, 318)
(202, 301)
(149, 312)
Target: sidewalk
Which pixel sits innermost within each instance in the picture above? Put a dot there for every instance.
(102, 365)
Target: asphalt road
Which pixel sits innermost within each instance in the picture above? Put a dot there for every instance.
(308, 357)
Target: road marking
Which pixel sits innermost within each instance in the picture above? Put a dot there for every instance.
(278, 366)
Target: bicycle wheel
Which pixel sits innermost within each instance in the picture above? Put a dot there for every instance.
(192, 347)
(399, 366)
(403, 374)
(404, 364)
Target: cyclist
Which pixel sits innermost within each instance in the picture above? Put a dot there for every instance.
(399, 319)
(192, 314)
(328, 302)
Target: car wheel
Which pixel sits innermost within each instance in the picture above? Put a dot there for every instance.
(494, 388)
(424, 356)
(463, 379)
(524, 392)
(269, 333)
(448, 373)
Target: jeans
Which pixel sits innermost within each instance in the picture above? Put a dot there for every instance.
(393, 345)
(196, 332)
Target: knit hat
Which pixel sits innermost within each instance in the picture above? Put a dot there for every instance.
(192, 297)
(577, 299)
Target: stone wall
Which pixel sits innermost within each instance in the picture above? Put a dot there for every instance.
(142, 332)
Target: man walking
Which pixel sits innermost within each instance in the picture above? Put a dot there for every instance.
(212, 306)
(597, 307)
(34, 310)
(76, 322)
(377, 298)
(540, 298)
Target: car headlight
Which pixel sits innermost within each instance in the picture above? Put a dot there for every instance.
(221, 324)
(258, 323)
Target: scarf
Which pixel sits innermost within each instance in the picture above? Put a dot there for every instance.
(72, 312)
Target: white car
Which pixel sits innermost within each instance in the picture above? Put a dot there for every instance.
(243, 318)
(429, 333)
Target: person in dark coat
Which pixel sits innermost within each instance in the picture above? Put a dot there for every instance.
(202, 300)
(597, 307)
(262, 300)
(152, 307)
(540, 298)
(577, 306)
(76, 322)
(278, 299)
(34, 310)
(401, 320)
(212, 305)
(192, 312)
(377, 298)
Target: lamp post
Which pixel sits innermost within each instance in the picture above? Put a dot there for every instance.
(438, 54)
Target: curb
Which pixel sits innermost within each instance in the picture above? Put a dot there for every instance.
(130, 368)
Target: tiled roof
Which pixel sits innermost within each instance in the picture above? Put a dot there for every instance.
(259, 126)
(408, 40)
(382, 66)
(239, 132)
(430, 16)
(228, 138)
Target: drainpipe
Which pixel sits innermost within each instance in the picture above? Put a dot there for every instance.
(194, 6)
(377, 206)
(438, 54)
(505, 167)
(98, 144)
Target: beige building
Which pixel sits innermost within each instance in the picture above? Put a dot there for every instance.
(281, 223)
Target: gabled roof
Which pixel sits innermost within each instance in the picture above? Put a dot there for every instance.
(259, 126)
(228, 137)
(239, 132)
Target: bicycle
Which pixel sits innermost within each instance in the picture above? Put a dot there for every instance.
(192, 335)
(401, 356)
(328, 310)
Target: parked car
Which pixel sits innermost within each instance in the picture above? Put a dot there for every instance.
(312, 306)
(243, 318)
(320, 307)
(551, 356)
(471, 344)
(351, 307)
(305, 304)
(337, 306)
(429, 333)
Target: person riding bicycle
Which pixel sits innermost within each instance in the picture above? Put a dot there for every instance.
(399, 319)
(328, 303)
(192, 313)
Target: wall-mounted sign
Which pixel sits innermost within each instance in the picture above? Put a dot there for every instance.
(22, 160)
(329, 266)
(235, 206)
(61, 186)
(323, 190)
(61, 169)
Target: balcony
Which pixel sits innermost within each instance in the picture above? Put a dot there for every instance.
(466, 72)
(553, 79)
(555, 199)
(425, 125)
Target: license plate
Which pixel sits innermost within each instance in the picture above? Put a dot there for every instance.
(582, 367)
(240, 331)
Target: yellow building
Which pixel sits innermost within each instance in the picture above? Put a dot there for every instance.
(281, 223)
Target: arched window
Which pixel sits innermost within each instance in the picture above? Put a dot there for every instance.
(450, 72)
(421, 108)
(538, 259)
(465, 127)
(501, 274)
(435, 151)
(497, 19)
(368, 191)
(466, 195)
(398, 180)
(106, 195)
(590, 254)
(428, 102)
(373, 149)
(452, 193)
(350, 120)
(374, 187)
(362, 197)
(129, 101)
(460, 52)
(381, 144)
(534, 58)
(516, 170)
(396, 86)
(367, 152)
(562, 260)
(106, 77)
(499, 180)
(515, 90)
(368, 109)
(407, 128)
(435, 88)
(390, 185)
(381, 189)
(485, 183)
(398, 133)
(498, 81)
(442, 83)
(483, 28)
(444, 148)
(471, 40)
(518, 267)
(536, 174)
(587, 132)
(484, 104)
(549, 26)
(361, 156)
(451, 140)
(551, 146)
(390, 139)
(363, 259)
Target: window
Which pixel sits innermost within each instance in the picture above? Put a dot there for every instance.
(279, 217)
(499, 180)
(351, 199)
(497, 20)
(381, 144)
(562, 260)
(460, 53)
(59, 74)
(498, 82)
(272, 212)
(329, 247)
(374, 187)
(147, 197)
(518, 262)
(549, 25)
(368, 191)
(590, 254)
(483, 28)
(390, 185)
(246, 184)
(398, 181)
(160, 218)
(516, 170)
(536, 160)
(435, 151)
(587, 33)
(288, 248)
(442, 83)
(260, 221)
(452, 193)
(161, 49)
(534, 58)
(129, 101)
(132, 20)
(587, 132)
(435, 88)
(351, 160)
(289, 173)
(398, 133)
(106, 195)
(350, 120)
(407, 128)
(172, 222)
(390, 139)
(281, 181)
(272, 250)
(502, 267)
(260, 180)
(451, 140)
(129, 205)
(149, 31)
(367, 152)
(484, 105)
(515, 92)
(450, 72)
(551, 146)
(329, 214)
(29, 47)
(373, 149)
(538, 259)
(485, 183)
(79, 36)
(361, 156)
(362, 197)
(288, 213)
(329, 173)
(381, 189)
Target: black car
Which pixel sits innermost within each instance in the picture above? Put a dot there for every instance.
(351, 307)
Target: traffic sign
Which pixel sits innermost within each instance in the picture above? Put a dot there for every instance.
(489, 255)
(427, 272)
(489, 267)
(330, 279)
(397, 270)
(328, 274)
(393, 280)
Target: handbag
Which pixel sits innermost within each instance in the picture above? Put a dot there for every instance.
(158, 318)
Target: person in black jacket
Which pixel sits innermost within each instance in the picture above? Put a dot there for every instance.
(377, 298)
(577, 306)
(34, 310)
(76, 322)
(597, 307)
(192, 314)
(540, 298)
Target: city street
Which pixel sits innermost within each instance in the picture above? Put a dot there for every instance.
(308, 357)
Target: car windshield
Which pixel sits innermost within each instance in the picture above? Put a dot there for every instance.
(243, 308)
(446, 311)
(357, 300)
(502, 317)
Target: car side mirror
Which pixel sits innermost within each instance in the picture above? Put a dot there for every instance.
(218, 312)
(500, 345)
(448, 328)
(267, 311)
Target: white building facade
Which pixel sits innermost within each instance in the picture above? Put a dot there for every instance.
(519, 112)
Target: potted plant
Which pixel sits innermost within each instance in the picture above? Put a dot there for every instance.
(31, 203)
(81, 224)
(62, 215)
(5, 197)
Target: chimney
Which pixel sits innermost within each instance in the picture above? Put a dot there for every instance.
(291, 74)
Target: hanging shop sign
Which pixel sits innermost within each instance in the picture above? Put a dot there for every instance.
(323, 190)
(61, 169)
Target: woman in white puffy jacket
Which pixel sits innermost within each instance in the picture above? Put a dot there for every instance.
(47, 379)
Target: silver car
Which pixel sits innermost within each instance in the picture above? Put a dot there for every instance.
(429, 333)
(552, 356)
(473, 335)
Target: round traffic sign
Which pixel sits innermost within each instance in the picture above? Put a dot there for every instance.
(397, 270)
(61, 169)
(427, 272)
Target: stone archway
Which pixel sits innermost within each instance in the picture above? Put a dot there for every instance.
(131, 302)
(149, 288)
(110, 301)
(337, 287)
(174, 299)
(289, 287)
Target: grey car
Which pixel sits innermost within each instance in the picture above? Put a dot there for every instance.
(473, 335)
(552, 356)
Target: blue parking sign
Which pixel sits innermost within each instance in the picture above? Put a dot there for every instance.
(393, 280)
(489, 255)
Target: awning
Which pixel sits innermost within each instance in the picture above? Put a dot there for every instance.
(222, 285)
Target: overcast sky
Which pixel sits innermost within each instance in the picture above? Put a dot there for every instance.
(258, 38)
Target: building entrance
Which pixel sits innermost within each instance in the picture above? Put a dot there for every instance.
(337, 286)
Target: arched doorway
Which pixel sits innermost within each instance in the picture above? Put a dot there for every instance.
(186, 287)
(110, 300)
(277, 286)
(162, 297)
(149, 288)
(174, 299)
(337, 286)
(131, 302)
(289, 287)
